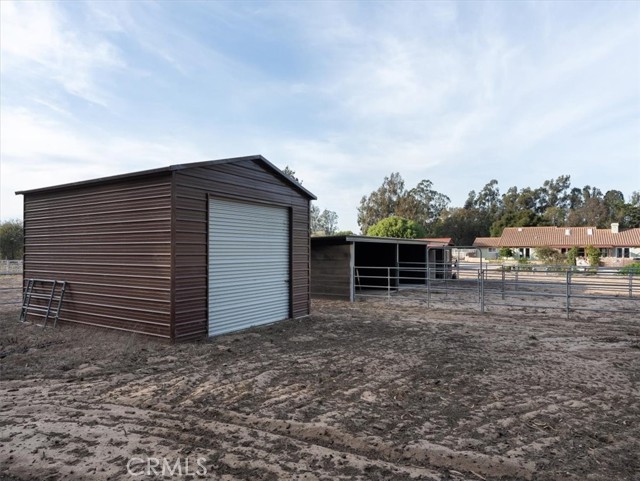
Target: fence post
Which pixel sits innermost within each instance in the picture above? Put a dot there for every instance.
(503, 279)
(388, 283)
(517, 271)
(568, 291)
(428, 283)
(482, 273)
(630, 285)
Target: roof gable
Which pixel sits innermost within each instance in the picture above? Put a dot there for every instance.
(486, 242)
(131, 175)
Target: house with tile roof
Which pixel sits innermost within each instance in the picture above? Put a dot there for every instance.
(618, 247)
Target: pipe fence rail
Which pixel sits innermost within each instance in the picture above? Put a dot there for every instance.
(485, 285)
(11, 287)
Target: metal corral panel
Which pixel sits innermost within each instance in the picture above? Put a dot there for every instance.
(249, 281)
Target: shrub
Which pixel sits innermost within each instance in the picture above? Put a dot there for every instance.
(633, 269)
(396, 227)
(505, 252)
(550, 255)
(524, 265)
(593, 254)
(572, 255)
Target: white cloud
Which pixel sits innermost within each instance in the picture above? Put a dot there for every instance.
(37, 42)
(38, 151)
(347, 92)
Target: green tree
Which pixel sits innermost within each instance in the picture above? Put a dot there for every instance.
(429, 203)
(322, 222)
(421, 204)
(396, 227)
(572, 255)
(589, 208)
(11, 239)
(519, 209)
(291, 173)
(613, 202)
(517, 218)
(549, 255)
(593, 254)
(462, 225)
(553, 200)
(630, 216)
(505, 252)
(480, 211)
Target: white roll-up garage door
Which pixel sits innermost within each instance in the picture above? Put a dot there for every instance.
(248, 265)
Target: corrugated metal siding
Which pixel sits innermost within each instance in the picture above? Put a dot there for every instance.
(247, 181)
(248, 265)
(331, 270)
(112, 243)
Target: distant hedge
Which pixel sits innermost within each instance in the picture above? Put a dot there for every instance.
(631, 269)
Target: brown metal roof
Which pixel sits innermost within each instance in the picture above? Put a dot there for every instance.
(561, 237)
(445, 241)
(150, 172)
(486, 242)
(347, 239)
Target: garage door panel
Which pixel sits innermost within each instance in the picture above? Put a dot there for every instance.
(248, 265)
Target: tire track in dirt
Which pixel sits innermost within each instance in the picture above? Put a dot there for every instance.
(71, 440)
(359, 391)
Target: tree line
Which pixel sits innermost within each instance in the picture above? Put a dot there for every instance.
(397, 211)
(488, 211)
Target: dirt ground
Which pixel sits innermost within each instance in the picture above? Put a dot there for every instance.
(358, 391)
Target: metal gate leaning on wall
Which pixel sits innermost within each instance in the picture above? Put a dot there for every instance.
(249, 272)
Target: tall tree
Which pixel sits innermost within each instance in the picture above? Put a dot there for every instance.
(323, 222)
(381, 203)
(462, 225)
(291, 173)
(519, 209)
(488, 199)
(590, 210)
(422, 204)
(396, 227)
(613, 202)
(554, 200)
(631, 212)
(11, 239)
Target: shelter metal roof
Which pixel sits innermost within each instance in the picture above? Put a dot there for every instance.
(347, 239)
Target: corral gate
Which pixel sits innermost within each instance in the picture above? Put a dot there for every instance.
(249, 279)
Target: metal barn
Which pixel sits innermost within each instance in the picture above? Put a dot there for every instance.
(178, 253)
(341, 265)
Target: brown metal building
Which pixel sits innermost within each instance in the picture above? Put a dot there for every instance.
(178, 253)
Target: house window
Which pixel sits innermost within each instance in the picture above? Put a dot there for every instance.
(492, 249)
(525, 252)
(622, 252)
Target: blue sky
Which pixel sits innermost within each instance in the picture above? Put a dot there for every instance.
(342, 92)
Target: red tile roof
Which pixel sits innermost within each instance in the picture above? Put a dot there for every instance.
(562, 237)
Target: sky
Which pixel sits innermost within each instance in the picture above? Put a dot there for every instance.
(344, 93)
